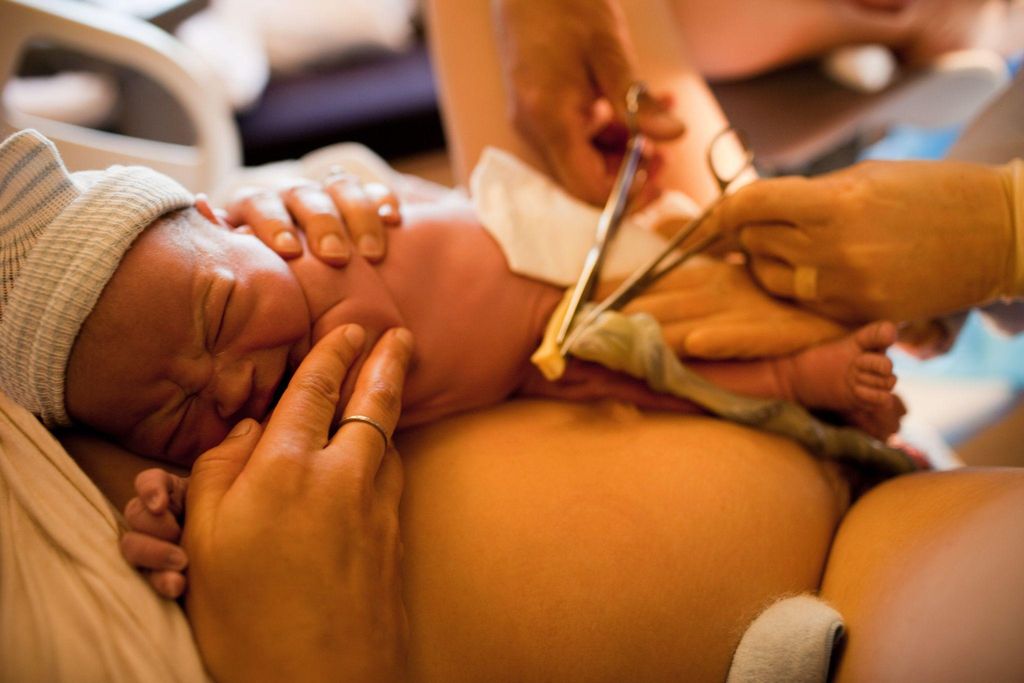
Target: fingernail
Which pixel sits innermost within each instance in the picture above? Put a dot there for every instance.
(150, 501)
(332, 246)
(355, 335)
(241, 429)
(369, 245)
(390, 215)
(176, 559)
(285, 241)
(168, 588)
(404, 337)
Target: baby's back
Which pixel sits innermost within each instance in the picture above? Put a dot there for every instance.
(476, 323)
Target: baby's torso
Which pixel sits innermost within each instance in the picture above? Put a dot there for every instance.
(444, 278)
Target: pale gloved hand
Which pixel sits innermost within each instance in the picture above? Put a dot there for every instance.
(568, 65)
(885, 240)
(711, 309)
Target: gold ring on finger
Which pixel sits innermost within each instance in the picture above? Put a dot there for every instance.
(370, 421)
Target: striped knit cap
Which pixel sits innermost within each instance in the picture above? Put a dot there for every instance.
(61, 239)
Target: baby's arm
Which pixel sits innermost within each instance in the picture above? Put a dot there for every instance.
(151, 543)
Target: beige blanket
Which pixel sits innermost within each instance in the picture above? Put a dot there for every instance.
(71, 609)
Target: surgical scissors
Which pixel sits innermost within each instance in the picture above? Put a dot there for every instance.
(669, 258)
(611, 216)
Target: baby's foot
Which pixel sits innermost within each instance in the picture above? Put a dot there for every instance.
(852, 376)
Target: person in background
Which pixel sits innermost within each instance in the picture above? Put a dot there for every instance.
(568, 63)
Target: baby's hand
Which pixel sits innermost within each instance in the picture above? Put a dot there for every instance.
(153, 517)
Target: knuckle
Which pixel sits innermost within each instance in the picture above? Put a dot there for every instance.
(131, 545)
(384, 395)
(244, 194)
(133, 511)
(317, 386)
(379, 192)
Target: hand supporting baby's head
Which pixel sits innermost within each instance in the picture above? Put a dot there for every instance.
(162, 327)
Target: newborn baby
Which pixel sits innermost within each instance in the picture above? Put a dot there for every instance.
(199, 327)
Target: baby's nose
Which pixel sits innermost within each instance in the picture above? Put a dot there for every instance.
(232, 386)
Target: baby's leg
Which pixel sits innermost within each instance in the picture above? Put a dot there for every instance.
(851, 376)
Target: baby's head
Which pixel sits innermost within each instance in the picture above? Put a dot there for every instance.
(130, 309)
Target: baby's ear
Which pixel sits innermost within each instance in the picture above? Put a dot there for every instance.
(215, 216)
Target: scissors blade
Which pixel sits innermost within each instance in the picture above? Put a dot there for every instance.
(646, 275)
(607, 226)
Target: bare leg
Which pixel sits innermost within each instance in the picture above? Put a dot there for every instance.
(927, 572)
(740, 38)
(473, 96)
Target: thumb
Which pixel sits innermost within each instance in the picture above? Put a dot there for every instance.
(656, 120)
(216, 470)
(614, 73)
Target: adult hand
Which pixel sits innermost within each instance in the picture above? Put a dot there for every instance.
(884, 240)
(713, 310)
(292, 534)
(568, 65)
(334, 216)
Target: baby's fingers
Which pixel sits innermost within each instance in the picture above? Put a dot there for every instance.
(168, 584)
(386, 200)
(160, 491)
(147, 552)
(164, 526)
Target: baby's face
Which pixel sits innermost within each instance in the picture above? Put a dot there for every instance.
(196, 330)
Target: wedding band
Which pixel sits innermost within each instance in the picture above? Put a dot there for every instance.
(370, 421)
(805, 283)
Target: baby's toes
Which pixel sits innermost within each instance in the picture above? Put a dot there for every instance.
(876, 336)
(874, 370)
(875, 363)
(871, 396)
